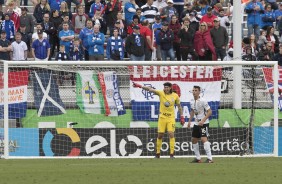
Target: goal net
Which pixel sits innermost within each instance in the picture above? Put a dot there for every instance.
(91, 109)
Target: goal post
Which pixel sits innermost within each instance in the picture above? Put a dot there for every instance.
(90, 109)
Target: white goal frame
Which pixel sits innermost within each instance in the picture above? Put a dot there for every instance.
(7, 64)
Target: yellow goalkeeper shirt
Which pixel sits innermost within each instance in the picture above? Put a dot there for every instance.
(167, 102)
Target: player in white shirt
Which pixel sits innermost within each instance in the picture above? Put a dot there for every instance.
(201, 111)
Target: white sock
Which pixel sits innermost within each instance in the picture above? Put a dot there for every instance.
(196, 151)
(207, 147)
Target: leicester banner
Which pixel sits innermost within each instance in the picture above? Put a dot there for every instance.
(47, 99)
(99, 94)
(268, 77)
(145, 105)
(17, 94)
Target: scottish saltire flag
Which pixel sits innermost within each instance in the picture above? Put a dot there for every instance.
(109, 85)
(268, 77)
(17, 94)
(47, 99)
(99, 94)
(145, 105)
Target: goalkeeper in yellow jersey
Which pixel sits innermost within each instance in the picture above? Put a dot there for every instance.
(166, 120)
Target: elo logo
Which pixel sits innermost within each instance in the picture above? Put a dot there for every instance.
(46, 143)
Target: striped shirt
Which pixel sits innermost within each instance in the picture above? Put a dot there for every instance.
(149, 12)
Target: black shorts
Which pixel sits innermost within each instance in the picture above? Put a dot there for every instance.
(200, 131)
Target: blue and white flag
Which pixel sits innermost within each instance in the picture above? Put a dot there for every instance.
(46, 94)
(145, 105)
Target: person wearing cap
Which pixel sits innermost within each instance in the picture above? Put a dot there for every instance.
(19, 49)
(9, 27)
(254, 10)
(130, 10)
(96, 45)
(186, 35)
(149, 11)
(27, 20)
(220, 39)
(200, 113)
(115, 46)
(135, 45)
(166, 38)
(168, 11)
(166, 121)
(5, 46)
(40, 48)
(208, 18)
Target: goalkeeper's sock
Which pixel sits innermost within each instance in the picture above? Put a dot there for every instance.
(196, 151)
(171, 145)
(207, 147)
(159, 145)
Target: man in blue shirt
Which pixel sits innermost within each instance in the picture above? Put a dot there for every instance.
(40, 48)
(66, 37)
(130, 10)
(83, 36)
(96, 45)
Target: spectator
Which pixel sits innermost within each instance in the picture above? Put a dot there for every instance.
(88, 4)
(14, 16)
(40, 9)
(55, 41)
(40, 48)
(27, 20)
(175, 26)
(194, 20)
(278, 14)
(168, 11)
(5, 47)
(9, 27)
(268, 17)
(166, 38)
(79, 19)
(111, 11)
(95, 6)
(47, 26)
(272, 38)
(149, 11)
(26, 37)
(179, 6)
(273, 4)
(208, 18)
(220, 38)
(66, 37)
(12, 6)
(186, 35)
(136, 21)
(76, 53)
(253, 10)
(262, 38)
(266, 53)
(224, 20)
(35, 35)
(186, 12)
(99, 20)
(204, 7)
(203, 44)
(19, 49)
(121, 25)
(253, 43)
(278, 56)
(160, 4)
(135, 45)
(130, 10)
(139, 13)
(248, 56)
(62, 56)
(156, 29)
(115, 47)
(146, 32)
(229, 56)
(65, 11)
(96, 45)
(66, 19)
(84, 35)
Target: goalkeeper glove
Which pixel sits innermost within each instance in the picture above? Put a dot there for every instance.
(135, 85)
(182, 121)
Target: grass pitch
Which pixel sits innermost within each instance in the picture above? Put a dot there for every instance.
(141, 171)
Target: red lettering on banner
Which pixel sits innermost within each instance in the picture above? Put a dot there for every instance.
(175, 73)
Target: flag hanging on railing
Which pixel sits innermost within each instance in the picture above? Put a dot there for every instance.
(268, 77)
(17, 94)
(99, 94)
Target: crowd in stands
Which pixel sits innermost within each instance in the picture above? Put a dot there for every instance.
(137, 29)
